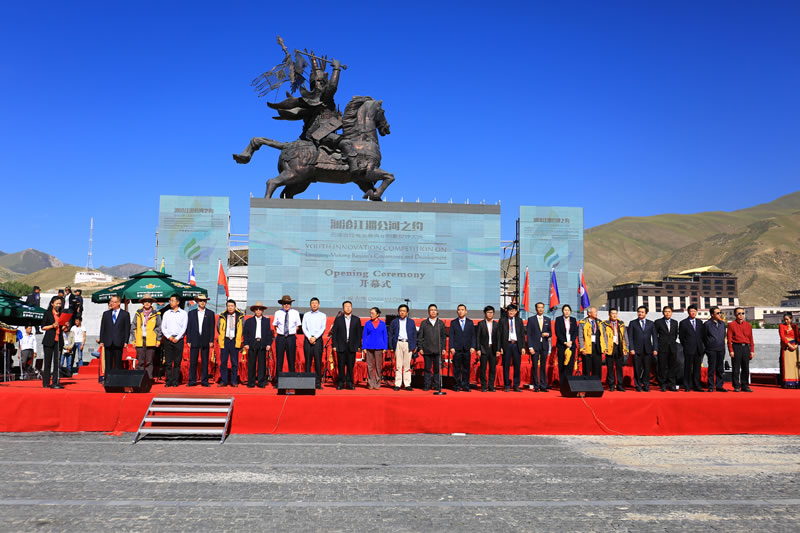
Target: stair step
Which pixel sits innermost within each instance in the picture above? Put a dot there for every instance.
(186, 419)
(182, 430)
(185, 409)
(192, 399)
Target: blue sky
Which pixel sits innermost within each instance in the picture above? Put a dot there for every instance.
(624, 108)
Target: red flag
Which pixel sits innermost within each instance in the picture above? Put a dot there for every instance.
(525, 293)
(222, 279)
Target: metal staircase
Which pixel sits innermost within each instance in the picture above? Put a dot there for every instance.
(187, 415)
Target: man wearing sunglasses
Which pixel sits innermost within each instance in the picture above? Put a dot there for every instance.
(741, 349)
(715, 350)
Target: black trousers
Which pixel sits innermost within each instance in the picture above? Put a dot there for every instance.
(257, 365)
(511, 356)
(52, 356)
(432, 370)
(667, 365)
(641, 370)
(716, 367)
(564, 370)
(461, 367)
(173, 353)
(285, 346)
(539, 366)
(113, 357)
(346, 363)
(614, 363)
(741, 366)
(313, 354)
(489, 358)
(593, 362)
(692, 363)
(202, 352)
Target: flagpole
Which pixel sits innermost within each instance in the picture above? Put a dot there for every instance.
(216, 303)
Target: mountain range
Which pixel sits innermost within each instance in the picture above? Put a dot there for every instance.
(760, 245)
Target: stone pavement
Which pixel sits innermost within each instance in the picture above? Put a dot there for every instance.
(90, 482)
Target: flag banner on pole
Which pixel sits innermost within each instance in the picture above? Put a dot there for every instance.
(525, 293)
(163, 269)
(192, 280)
(555, 300)
(222, 280)
(583, 294)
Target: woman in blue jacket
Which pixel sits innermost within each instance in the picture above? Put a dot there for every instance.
(374, 342)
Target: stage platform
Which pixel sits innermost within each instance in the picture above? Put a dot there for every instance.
(84, 406)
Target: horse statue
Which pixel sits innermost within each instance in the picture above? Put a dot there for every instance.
(356, 157)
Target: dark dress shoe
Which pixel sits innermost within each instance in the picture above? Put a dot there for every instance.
(426, 389)
(638, 389)
(205, 385)
(339, 386)
(234, 384)
(492, 389)
(251, 386)
(456, 389)
(544, 389)
(260, 386)
(222, 385)
(737, 389)
(722, 389)
(409, 389)
(467, 390)
(748, 389)
(710, 389)
(663, 389)
(397, 388)
(60, 386)
(506, 389)
(620, 388)
(191, 384)
(611, 389)
(319, 387)
(517, 389)
(351, 387)
(483, 389)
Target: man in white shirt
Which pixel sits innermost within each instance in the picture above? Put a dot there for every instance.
(27, 352)
(173, 327)
(79, 337)
(286, 322)
(314, 323)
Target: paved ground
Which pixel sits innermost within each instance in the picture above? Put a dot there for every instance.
(89, 482)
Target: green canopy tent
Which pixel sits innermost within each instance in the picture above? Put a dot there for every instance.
(158, 285)
(15, 312)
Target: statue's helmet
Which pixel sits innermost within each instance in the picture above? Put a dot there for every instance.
(319, 75)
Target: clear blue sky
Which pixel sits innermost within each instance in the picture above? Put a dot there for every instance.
(625, 108)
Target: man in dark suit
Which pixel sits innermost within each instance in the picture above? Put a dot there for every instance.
(538, 335)
(692, 335)
(115, 330)
(644, 345)
(432, 342)
(487, 342)
(566, 330)
(512, 346)
(462, 346)
(200, 336)
(346, 341)
(403, 342)
(257, 341)
(52, 343)
(667, 332)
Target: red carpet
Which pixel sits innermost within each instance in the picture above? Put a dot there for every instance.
(84, 406)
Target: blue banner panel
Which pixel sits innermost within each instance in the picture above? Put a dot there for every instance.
(194, 228)
(375, 254)
(551, 238)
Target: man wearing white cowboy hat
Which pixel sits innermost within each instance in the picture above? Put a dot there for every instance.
(257, 342)
(286, 322)
(200, 336)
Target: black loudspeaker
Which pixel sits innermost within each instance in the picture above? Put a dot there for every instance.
(299, 382)
(580, 386)
(127, 381)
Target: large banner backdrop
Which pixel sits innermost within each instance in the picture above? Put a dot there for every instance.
(374, 254)
(551, 237)
(194, 228)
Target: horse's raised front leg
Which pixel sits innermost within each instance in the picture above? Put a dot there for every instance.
(247, 153)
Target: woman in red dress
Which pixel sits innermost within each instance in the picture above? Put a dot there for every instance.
(790, 363)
